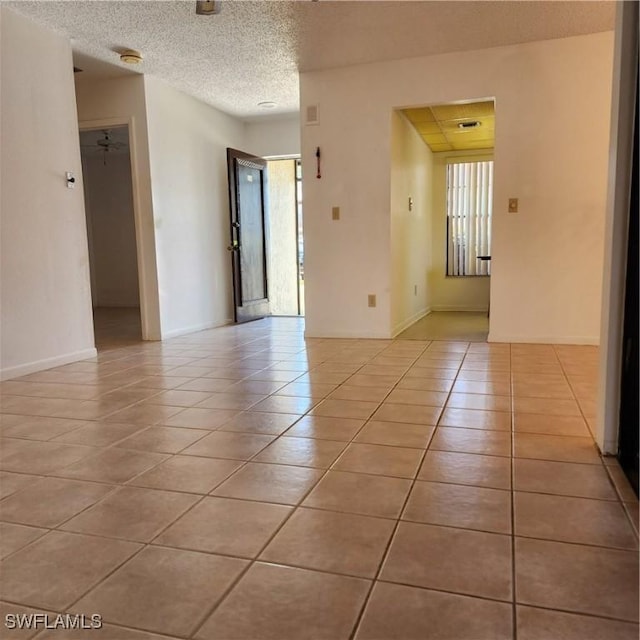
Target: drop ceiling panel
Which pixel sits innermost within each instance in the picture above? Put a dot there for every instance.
(440, 147)
(458, 111)
(435, 138)
(439, 126)
(427, 128)
(419, 115)
(470, 145)
(486, 124)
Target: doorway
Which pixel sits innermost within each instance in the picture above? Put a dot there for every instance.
(286, 241)
(111, 234)
(441, 220)
(266, 236)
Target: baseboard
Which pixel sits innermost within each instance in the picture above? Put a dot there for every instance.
(578, 340)
(193, 329)
(444, 307)
(412, 320)
(47, 363)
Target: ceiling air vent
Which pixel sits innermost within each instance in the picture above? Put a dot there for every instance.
(469, 124)
(312, 114)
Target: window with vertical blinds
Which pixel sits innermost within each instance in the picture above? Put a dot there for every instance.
(469, 207)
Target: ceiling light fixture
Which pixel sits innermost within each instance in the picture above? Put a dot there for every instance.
(267, 104)
(469, 124)
(208, 7)
(129, 56)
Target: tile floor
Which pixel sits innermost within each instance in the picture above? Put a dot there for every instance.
(117, 326)
(242, 483)
(470, 326)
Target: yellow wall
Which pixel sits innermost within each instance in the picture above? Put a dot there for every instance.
(411, 176)
(451, 293)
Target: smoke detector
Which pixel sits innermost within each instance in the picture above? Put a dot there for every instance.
(208, 7)
(129, 56)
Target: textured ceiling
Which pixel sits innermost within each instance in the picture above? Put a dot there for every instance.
(252, 51)
(439, 126)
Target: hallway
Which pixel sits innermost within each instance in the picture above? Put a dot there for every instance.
(246, 483)
(116, 327)
(468, 326)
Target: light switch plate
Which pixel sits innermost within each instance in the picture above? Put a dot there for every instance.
(372, 299)
(335, 213)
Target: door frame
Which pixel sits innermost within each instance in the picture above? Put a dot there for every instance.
(147, 281)
(625, 73)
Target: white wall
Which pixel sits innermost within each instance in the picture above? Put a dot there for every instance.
(111, 229)
(103, 103)
(411, 250)
(180, 193)
(45, 299)
(552, 114)
(348, 259)
(187, 151)
(273, 136)
(451, 293)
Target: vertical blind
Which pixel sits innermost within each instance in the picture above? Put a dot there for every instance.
(469, 207)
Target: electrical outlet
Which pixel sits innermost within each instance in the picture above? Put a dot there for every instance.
(335, 213)
(372, 299)
(513, 205)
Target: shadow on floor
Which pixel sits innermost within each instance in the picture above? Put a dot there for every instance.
(116, 327)
(449, 325)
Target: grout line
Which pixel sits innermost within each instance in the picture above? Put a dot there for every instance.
(388, 344)
(514, 595)
(392, 538)
(607, 471)
(293, 511)
(413, 586)
(634, 525)
(575, 399)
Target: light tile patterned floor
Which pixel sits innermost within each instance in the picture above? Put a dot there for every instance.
(242, 483)
(472, 326)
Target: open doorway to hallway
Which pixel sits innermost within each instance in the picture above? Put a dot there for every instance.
(441, 213)
(111, 233)
(467, 326)
(286, 242)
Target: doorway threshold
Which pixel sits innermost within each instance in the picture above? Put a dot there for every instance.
(468, 326)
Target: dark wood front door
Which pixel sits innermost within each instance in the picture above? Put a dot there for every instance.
(248, 247)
